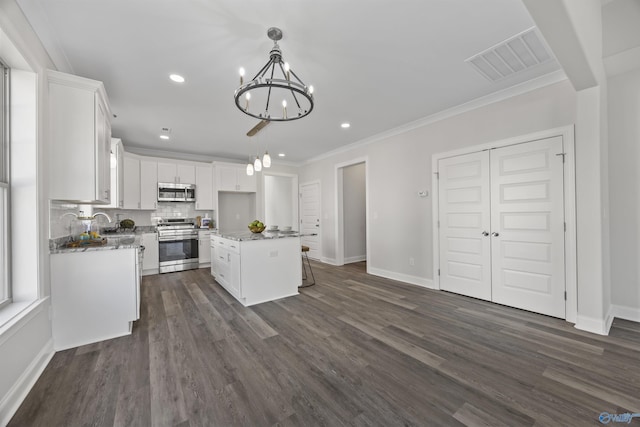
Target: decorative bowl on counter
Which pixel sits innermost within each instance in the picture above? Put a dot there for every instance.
(256, 226)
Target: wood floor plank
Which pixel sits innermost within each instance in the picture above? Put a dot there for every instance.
(354, 350)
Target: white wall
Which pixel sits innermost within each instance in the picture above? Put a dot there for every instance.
(279, 203)
(400, 167)
(624, 158)
(236, 210)
(25, 339)
(354, 211)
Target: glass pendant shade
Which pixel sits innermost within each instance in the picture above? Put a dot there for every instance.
(266, 160)
(249, 169)
(257, 164)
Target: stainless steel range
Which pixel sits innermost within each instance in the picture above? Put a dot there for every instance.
(178, 244)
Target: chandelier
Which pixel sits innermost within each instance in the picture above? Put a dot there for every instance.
(274, 89)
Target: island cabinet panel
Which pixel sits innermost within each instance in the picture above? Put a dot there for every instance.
(95, 295)
(257, 270)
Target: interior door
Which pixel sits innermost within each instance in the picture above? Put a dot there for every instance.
(527, 225)
(464, 205)
(310, 217)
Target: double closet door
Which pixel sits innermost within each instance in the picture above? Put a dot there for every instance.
(501, 226)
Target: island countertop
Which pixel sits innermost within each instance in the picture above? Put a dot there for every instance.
(243, 236)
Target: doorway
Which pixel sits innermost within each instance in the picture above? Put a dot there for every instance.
(310, 226)
(351, 206)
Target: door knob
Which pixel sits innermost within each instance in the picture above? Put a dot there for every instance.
(485, 233)
(495, 234)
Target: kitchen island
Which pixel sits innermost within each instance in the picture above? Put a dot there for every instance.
(256, 267)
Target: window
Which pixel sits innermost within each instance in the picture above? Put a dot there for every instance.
(5, 291)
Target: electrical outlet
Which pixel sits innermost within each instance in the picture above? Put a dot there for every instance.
(412, 261)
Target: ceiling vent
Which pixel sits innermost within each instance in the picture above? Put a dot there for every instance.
(516, 54)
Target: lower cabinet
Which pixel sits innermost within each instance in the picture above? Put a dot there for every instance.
(256, 271)
(204, 251)
(151, 259)
(95, 295)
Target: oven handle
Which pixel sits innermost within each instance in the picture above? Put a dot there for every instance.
(176, 238)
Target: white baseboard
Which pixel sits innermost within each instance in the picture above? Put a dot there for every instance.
(593, 325)
(357, 258)
(626, 313)
(401, 277)
(18, 392)
(330, 261)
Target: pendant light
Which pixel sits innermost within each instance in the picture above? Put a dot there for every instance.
(257, 164)
(249, 169)
(266, 160)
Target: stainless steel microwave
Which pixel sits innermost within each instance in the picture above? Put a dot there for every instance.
(171, 192)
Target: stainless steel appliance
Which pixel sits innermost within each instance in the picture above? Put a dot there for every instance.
(171, 192)
(177, 244)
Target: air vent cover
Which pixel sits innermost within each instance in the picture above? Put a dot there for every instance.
(516, 54)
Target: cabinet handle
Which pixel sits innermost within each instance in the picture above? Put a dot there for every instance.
(495, 234)
(485, 233)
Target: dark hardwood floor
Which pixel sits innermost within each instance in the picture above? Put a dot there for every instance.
(352, 350)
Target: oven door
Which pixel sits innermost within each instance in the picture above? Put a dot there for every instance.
(177, 254)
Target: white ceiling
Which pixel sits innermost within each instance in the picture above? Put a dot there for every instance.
(377, 64)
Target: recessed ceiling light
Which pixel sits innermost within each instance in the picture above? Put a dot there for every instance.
(164, 136)
(345, 125)
(177, 78)
(281, 154)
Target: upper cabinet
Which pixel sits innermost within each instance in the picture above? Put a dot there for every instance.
(204, 187)
(180, 173)
(131, 177)
(117, 174)
(233, 177)
(148, 184)
(80, 139)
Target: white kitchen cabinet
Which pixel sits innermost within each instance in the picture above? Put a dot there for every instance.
(94, 296)
(233, 177)
(151, 259)
(148, 184)
(257, 271)
(117, 174)
(204, 187)
(204, 250)
(131, 178)
(80, 137)
(176, 172)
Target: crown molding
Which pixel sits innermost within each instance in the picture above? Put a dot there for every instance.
(531, 85)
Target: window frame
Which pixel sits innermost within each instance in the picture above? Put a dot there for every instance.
(5, 188)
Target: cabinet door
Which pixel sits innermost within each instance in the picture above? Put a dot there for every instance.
(186, 174)
(234, 274)
(226, 177)
(151, 258)
(149, 184)
(246, 183)
(116, 163)
(204, 190)
(204, 247)
(131, 178)
(167, 172)
(103, 151)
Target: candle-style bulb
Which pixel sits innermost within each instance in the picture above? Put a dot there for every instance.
(247, 98)
(241, 75)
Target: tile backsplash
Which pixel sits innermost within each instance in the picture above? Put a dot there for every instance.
(61, 219)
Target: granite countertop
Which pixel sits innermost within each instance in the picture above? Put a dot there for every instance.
(243, 236)
(57, 246)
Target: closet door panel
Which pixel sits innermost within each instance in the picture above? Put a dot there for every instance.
(527, 225)
(464, 203)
